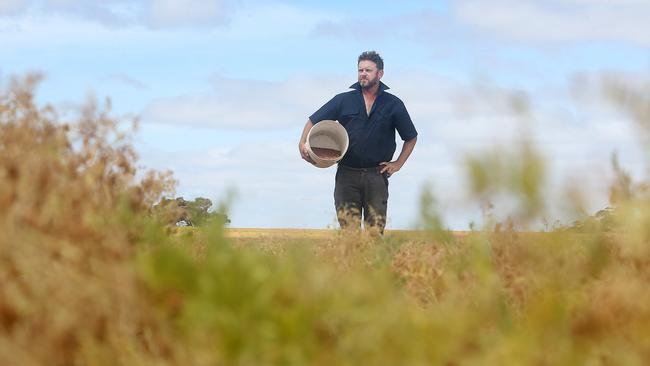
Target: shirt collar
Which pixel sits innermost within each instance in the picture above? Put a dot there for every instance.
(357, 86)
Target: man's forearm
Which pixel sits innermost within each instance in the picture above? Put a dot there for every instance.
(305, 131)
(407, 149)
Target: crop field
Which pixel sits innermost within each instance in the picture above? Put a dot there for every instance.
(92, 274)
(261, 235)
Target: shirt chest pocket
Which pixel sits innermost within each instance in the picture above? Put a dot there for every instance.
(348, 114)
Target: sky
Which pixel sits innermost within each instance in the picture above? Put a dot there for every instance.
(223, 88)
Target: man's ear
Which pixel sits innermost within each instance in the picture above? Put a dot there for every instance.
(380, 73)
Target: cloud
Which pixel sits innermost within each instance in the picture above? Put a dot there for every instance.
(477, 23)
(231, 18)
(130, 81)
(558, 20)
(12, 6)
(247, 104)
(108, 12)
(279, 20)
(150, 13)
(173, 13)
(417, 25)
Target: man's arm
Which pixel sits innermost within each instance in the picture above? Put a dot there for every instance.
(392, 167)
(303, 139)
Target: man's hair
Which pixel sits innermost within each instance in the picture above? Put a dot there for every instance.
(372, 56)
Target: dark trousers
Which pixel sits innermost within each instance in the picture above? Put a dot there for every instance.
(361, 192)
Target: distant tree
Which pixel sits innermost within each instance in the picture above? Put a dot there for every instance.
(179, 211)
(605, 219)
(169, 211)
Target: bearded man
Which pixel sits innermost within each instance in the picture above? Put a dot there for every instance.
(370, 115)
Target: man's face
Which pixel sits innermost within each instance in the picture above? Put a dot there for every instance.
(368, 74)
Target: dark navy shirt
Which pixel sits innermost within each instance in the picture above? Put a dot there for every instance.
(372, 137)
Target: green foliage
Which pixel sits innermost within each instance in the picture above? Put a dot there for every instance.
(192, 213)
(519, 174)
(289, 310)
(430, 218)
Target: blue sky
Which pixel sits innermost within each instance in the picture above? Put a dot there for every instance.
(223, 88)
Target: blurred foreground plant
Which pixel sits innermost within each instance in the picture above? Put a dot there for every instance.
(89, 275)
(72, 213)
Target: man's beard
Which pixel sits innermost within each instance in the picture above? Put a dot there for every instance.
(369, 83)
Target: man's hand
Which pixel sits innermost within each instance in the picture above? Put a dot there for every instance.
(302, 145)
(305, 153)
(390, 167)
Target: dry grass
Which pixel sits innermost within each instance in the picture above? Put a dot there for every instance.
(89, 275)
(71, 214)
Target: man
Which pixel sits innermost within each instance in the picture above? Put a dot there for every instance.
(370, 116)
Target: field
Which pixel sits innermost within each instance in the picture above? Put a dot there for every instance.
(278, 234)
(556, 298)
(92, 274)
(309, 234)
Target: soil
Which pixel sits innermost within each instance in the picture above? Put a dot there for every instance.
(326, 153)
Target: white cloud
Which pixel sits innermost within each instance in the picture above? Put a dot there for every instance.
(266, 20)
(226, 18)
(247, 104)
(11, 6)
(154, 23)
(150, 13)
(418, 25)
(558, 20)
(107, 12)
(469, 21)
(63, 2)
(171, 13)
(54, 30)
(128, 80)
